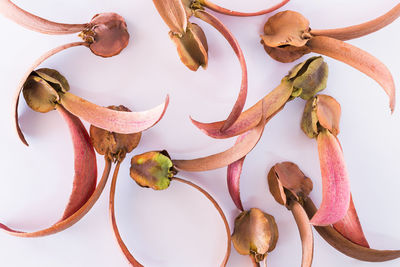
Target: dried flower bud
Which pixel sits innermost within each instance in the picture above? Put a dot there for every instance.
(153, 169)
(321, 112)
(42, 87)
(192, 47)
(286, 180)
(309, 77)
(114, 145)
(255, 234)
(107, 34)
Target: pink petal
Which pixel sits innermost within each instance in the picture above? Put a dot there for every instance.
(335, 183)
(32, 68)
(241, 99)
(112, 120)
(274, 101)
(233, 179)
(35, 23)
(350, 227)
(228, 12)
(358, 59)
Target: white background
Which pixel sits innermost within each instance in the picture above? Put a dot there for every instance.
(178, 227)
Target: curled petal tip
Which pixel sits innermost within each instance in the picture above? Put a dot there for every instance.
(233, 179)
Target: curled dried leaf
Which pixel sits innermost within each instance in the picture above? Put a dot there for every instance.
(107, 34)
(152, 169)
(114, 145)
(192, 47)
(255, 234)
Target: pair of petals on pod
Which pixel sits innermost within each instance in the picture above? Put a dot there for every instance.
(287, 37)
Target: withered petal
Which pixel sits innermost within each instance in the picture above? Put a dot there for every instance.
(112, 120)
(33, 67)
(174, 15)
(234, 171)
(357, 58)
(35, 23)
(241, 99)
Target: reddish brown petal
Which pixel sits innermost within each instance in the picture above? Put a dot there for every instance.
(233, 179)
(173, 13)
(358, 59)
(335, 182)
(221, 213)
(228, 12)
(82, 197)
(345, 246)
(121, 243)
(112, 120)
(359, 30)
(241, 99)
(225, 158)
(350, 226)
(33, 67)
(306, 234)
(35, 23)
(274, 101)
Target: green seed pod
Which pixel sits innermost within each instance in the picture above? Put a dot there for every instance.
(152, 169)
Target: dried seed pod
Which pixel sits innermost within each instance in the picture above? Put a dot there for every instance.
(255, 234)
(114, 145)
(287, 37)
(153, 169)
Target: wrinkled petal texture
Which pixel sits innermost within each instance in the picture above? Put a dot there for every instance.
(173, 13)
(350, 227)
(112, 120)
(335, 183)
(358, 59)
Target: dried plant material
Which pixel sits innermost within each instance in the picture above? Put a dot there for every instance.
(362, 29)
(84, 193)
(287, 37)
(304, 80)
(44, 89)
(35, 23)
(155, 169)
(173, 14)
(347, 247)
(255, 234)
(192, 47)
(229, 12)
(114, 146)
(106, 34)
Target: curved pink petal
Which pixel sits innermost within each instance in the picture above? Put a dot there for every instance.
(228, 12)
(84, 193)
(32, 68)
(274, 101)
(335, 182)
(358, 59)
(241, 99)
(362, 29)
(112, 120)
(35, 23)
(350, 226)
(233, 179)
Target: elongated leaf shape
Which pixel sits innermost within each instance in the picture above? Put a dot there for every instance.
(306, 235)
(112, 120)
(362, 29)
(173, 14)
(33, 67)
(274, 101)
(335, 182)
(350, 226)
(241, 99)
(234, 171)
(228, 12)
(345, 246)
(84, 194)
(358, 59)
(223, 159)
(35, 23)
